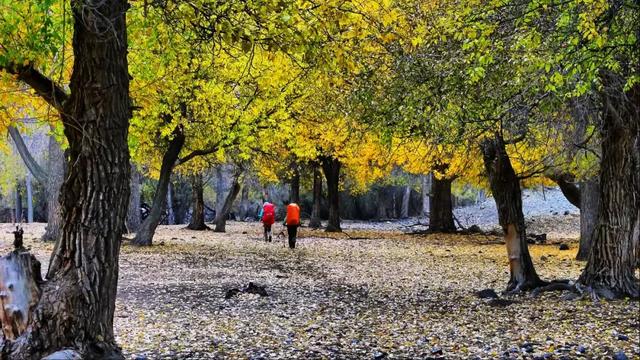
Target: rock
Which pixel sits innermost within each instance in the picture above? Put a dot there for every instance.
(566, 212)
(527, 347)
(623, 337)
(379, 355)
(436, 350)
(231, 293)
(620, 355)
(564, 247)
(581, 349)
(67, 354)
(487, 294)
(501, 302)
(256, 289)
(140, 357)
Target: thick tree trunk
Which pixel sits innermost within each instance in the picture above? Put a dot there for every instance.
(245, 205)
(77, 303)
(441, 206)
(314, 222)
(197, 215)
(55, 178)
(616, 239)
(144, 236)
(221, 216)
(29, 199)
(133, 211)
(381, 208)
(331, 169)
(505, 187)
(589, 203)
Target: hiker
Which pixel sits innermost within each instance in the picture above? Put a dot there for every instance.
(268, 216)
(292, 222)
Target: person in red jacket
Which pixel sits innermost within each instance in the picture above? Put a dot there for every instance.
(268, 218)
(292, 222)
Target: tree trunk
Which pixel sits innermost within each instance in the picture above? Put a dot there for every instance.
(133, 212)
(381, 199)
(294, 190)
(441, 206)
(616, 239)
(77, 304)
(331, 169)
(589, 202)
(221, 216)
(245, 205)
(426, 194)
(406, 197)
(317, 198)
(197, 216)
(144, 236)
(171, 218)
(567, 185)
(18, 200)
(55, 178)
(505, 187)
(29, 199)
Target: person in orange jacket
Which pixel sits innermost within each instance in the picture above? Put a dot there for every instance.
(292, 222)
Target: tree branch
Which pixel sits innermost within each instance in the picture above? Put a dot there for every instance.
(46, 88)
(36, 170)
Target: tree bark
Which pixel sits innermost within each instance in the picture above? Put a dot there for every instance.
(55, 178)
(144, 236)
(317, 198)
(77, 304)
(441, 206)
(505, 187)
(197, 216)
(589, 202)
(331, 168)
(616, 239)
(133, 211)
(221, 216)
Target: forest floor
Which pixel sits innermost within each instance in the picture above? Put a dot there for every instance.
(384, 294)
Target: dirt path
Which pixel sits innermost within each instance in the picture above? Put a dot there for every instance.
(389, 296)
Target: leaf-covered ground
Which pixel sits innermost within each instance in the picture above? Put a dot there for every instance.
(382, 295)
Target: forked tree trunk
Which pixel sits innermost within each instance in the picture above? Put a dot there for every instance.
(55, 178)
(505, 187)
(133, 211)
(331, 168)
(144, 236)
(589, 202)
(221, 216)
(18, 202)
(197, 198)
(314, 222)
(441, 206)
(614, 252)
(77, 303)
